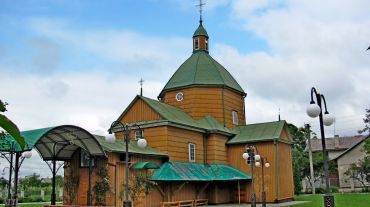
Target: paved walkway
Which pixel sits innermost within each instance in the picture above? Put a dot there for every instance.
(268, 205)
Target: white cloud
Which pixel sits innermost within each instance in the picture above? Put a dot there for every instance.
(311, 44)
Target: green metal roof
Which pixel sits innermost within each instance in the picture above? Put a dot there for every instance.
(176, 115)
(200, 30)
(119, 146)
(186, 171)
(257, 132)
(59, 142)
(144, 165)
(201, 70)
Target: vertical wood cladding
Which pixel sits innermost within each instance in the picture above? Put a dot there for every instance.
(140, 111)
(216, 149)
(267, 149)
(286, 186)
(199, 102)
(178, 141)
(284, 166)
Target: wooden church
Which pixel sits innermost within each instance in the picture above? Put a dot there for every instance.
(196, 133)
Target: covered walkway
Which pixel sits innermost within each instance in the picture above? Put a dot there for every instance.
(57, 143)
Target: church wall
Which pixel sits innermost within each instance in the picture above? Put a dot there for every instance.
(265, 149)
(216, 149)
(285, 176)
(233, 101)
(178, 143)
(198, 102)
(157, 137)
(140, 111)
(202, 101)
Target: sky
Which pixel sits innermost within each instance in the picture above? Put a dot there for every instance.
(79, 62)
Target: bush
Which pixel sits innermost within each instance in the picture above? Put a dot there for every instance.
(2, 200)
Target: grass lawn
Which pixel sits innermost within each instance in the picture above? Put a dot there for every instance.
(341, 200)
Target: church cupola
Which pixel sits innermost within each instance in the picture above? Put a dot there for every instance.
(200, 38)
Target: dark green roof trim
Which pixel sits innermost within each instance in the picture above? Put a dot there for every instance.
(200, 69)
(144, 165)
(259, 132)
(186, 171)
(174, 116)
(119, 146)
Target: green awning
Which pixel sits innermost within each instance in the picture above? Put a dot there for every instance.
(144, 165)
(185, 171)
(58, 142)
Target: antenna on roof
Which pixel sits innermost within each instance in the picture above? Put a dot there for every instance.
(141, 81)
(200, 5)
(279, 114)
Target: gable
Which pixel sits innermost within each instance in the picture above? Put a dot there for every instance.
(138, 111)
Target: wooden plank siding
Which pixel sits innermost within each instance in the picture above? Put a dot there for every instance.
(283, 175)
(216, 149)
(203, 101)
(178, 143)
(233, 102)
(286, 184)
(265, 148)
(140, 111)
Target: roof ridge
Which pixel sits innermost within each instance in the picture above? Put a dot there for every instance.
(196, 69)
(218, 69)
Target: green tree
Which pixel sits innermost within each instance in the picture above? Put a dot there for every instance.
(299, 155)
(140, 183)
(10, 127)
(366, 120)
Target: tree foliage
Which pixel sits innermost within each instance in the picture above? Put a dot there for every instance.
(140, 183)
(10, 127)
(299, 155)
(360, 170)
(366, 120)
(102, 185)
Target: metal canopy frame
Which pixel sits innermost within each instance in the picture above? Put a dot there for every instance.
(56, 144)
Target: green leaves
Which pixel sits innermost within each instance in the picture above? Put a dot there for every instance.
(12, 129)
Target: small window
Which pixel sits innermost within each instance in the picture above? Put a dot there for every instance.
(235, 117)
(196, 43)
(206, 44)
(139, 134)
(85, 158)
(191, 152)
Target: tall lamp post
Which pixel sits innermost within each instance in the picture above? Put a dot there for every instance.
(117, 126)
(264, 163)
(314, 110)
(250, 155)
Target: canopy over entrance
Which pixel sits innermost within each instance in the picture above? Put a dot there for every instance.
(184, 171)
(55, 143)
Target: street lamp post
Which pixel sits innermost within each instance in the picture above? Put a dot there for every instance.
(117, 126)
(251, 157)
(314, 110)
(264, 163)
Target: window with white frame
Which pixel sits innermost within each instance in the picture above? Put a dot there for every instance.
(139, 134)
(235, 117)
(191, 152)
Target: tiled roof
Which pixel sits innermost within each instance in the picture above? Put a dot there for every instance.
(336, 143)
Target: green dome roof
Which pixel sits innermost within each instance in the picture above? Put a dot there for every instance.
(201, 70)
(200, 31)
